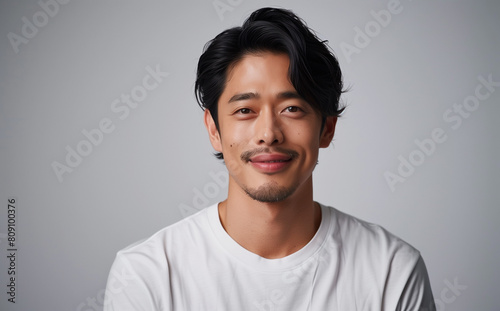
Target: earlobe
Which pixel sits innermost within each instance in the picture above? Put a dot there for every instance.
(213, 133)
(328, 132)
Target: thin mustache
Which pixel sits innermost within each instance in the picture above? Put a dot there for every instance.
(247, 155)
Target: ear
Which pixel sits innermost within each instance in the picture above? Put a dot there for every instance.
(213, 133)
(328, 132)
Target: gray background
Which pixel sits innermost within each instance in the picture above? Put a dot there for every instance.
(155, 167)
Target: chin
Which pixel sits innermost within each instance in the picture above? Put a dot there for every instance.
(270, 192)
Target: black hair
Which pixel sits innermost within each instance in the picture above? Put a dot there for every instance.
(314, 71)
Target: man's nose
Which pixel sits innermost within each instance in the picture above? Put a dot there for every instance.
(269, 129)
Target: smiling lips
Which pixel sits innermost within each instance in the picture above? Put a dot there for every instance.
(270, 162)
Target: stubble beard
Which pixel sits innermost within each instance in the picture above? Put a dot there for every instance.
(270, 192)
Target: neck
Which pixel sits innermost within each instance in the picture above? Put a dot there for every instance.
(271, 230)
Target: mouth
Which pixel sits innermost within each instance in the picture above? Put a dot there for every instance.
(270, 158)
(266, 155)
(271, 162)
(268, 162)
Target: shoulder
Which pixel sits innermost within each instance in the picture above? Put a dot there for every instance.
(365, 246)
(377, 263)
(173, 237)
(358, 235)
(140, 273)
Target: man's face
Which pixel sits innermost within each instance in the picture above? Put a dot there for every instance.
(269, 135)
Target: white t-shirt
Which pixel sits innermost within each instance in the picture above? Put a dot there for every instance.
(195, 265)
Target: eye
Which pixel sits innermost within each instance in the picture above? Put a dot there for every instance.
(294, 112)
(243, 111)
(293, 109)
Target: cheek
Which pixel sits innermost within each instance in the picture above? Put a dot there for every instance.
(306, 141)
(306, 136)
(234, 136)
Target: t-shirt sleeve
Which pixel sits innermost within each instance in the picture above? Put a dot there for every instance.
(417, 293)
(131, 286)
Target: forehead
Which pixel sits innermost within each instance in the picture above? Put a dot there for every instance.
(255, 55)
(263, 70)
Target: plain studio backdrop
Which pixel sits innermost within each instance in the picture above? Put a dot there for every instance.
(102, 142)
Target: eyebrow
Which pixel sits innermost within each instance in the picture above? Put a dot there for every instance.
(243, 96)
(251, 95)
(289, 94)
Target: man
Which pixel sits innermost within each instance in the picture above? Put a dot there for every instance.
(270, 90)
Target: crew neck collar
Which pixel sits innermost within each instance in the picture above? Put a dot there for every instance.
(264, 264)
